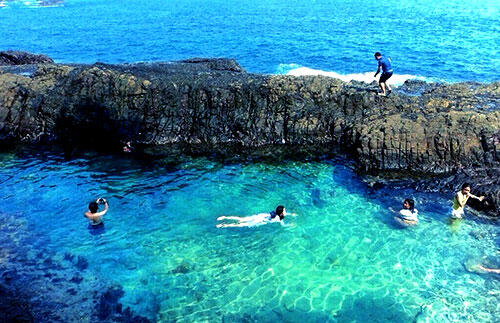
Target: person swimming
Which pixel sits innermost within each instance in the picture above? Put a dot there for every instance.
(255, 220)
(460, 199)
(408, 215)
(95, 217)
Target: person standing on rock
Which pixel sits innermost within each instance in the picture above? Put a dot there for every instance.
(460, 200)
(384, 64)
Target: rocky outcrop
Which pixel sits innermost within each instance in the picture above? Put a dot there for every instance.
(14, 57)
(211, 107)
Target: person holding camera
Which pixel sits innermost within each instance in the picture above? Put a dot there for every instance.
(93, 215)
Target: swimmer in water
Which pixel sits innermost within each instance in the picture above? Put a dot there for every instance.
(95, 217)
(460, 199)
(407, 216)
(255, 220)
(489, 270)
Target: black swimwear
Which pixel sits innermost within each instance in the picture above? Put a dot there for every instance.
(385, 76)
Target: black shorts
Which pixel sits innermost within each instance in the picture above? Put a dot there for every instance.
(385, 76)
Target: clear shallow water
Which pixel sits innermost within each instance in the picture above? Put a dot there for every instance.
(344, 259)
(446, 40)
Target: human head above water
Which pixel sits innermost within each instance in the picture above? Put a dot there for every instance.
(465, 187)
(410, 203)
(280, 211)
(377, 55)
(93, 207)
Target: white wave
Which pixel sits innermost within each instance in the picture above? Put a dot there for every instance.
(297, 70)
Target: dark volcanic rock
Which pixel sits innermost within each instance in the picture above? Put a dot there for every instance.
(212, 107)
(216, 64)
(13, 308)
(14, 57)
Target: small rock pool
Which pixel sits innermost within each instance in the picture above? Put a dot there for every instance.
(161, 257)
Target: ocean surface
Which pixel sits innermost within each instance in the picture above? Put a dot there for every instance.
(341, 259)
(448, 40)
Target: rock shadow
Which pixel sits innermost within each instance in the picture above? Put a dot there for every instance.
(371, 308)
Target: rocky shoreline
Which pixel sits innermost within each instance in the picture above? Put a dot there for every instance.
(430, 136)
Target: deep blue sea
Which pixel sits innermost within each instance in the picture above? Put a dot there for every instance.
(449, 40)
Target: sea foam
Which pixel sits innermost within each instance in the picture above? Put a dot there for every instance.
(297, 70)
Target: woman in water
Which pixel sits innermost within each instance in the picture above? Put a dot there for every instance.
(407, 216)
(460, 200)
(255, 220)
(95, 217)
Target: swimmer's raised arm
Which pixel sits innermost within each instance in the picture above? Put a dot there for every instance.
(97, 215)
(475, 197)
(106, 206)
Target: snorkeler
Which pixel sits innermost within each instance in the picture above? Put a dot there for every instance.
(255, 220)
(95, 217)
(460, 200)
(407, 216)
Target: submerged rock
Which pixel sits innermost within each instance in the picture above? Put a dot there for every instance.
(29, 293)
(212, 107)
(183, 268)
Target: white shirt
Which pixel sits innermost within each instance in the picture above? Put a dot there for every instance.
(408, 215)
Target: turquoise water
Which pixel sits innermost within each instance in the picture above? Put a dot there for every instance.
(341, 259)
(450, 40)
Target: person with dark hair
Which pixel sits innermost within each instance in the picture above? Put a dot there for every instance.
(460, 199)
(408, 215)
(255, 220)
(93, 215)
(384, 64)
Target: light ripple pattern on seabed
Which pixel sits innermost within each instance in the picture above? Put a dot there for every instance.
(342, 259)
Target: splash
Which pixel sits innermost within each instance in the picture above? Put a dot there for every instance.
(297, 70)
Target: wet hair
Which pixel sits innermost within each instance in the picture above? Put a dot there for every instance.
(465, 185)
(411, 203)
(279, 211)
(93, 207)
(377, 54)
